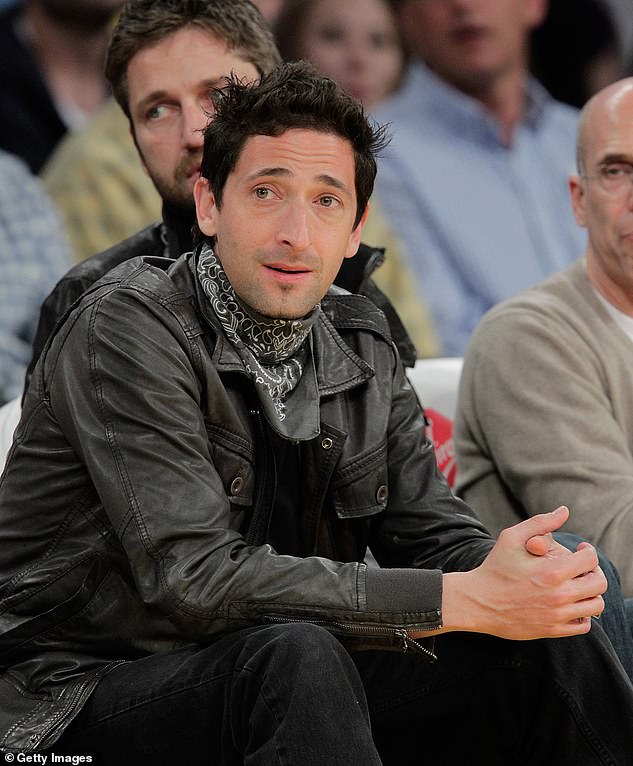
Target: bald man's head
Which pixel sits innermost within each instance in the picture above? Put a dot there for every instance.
(599, 116)
(602, 192)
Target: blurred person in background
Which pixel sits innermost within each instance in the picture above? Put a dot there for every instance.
(355, 42)
(475, 179)
(51, 57)
(97, 180)
(358, 44)
(34, 254)
(622, 14)
(576, 52)
(269, 8)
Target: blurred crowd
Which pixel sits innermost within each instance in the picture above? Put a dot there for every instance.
(481, 99)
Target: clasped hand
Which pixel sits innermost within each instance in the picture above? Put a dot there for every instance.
(528, 586)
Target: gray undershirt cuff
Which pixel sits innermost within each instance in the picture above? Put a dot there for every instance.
(403, 590)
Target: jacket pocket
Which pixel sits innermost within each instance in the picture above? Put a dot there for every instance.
(360, 486)
(30, 616)
(233, 460)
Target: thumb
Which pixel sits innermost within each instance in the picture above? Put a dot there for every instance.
(539, 545)
(541, 524)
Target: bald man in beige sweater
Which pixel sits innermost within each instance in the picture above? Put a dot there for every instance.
(545, 413)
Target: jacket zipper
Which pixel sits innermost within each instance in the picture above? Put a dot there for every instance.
(38, 739)
(262, 508)
(348, 629)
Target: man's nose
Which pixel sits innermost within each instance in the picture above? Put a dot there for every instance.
(194, 121)
(294, 231)
(629, 190)
(358, 56)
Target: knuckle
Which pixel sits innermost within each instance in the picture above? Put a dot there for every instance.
(585, 626)
(558, 601)
(505, 535)
(552, 577)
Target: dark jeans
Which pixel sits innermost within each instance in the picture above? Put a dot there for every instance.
(292, 695)
(617, 617)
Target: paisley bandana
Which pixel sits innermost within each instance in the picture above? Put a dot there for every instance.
(272, 350)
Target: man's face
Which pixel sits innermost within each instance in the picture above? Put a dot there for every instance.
(169, 85)
(605, 208)
(355, 42)
(286, 221)
(471, 43)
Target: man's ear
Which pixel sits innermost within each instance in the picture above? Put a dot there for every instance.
(577, 194)
(355, 236)
(206, 209)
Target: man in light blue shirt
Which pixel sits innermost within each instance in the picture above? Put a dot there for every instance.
(34, 253)
(475, 179)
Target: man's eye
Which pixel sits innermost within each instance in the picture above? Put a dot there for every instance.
(617, 170)
(331, 35)
(155, 113)
(381, 41)
(328, 201)
(262, 193)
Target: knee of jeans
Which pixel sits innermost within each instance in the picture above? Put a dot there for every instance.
(302, 647)
(308, 638)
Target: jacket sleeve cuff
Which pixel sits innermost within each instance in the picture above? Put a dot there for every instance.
(403, 590)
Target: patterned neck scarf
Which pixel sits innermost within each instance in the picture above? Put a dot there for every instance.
(273, 350)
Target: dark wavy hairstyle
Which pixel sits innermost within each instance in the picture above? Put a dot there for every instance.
(293, 95)
(145, 22)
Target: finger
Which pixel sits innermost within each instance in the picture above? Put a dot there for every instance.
(541, 524)
(572, 566)
(584, 546)
(576, 618)
(546, 545)
(538, 545)
(583, 596)
(572, 628)
(591, 584)
(590, 607)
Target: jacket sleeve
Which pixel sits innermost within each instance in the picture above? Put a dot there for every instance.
(425, 525)
(59, 300)
(126, 394)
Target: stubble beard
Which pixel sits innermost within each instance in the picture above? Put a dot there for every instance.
(178, 190)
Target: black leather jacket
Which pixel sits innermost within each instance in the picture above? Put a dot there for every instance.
(132, 516)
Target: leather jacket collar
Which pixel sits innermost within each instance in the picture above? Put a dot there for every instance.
(338, 367)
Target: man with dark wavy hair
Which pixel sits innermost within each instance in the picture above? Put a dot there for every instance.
(205, 455)
(163, 58)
